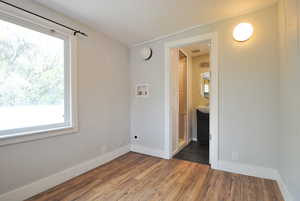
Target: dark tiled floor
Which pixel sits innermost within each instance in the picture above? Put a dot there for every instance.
(194, 152)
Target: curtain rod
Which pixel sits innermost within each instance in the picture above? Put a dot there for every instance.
(47, 19)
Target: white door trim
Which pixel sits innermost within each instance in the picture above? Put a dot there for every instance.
(214, 96)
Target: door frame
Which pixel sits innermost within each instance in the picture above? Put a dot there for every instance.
(214, 95)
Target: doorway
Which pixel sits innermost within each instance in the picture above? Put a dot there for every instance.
(197, 150)
(176, 125)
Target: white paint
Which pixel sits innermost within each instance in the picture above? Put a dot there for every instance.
(235, 156)
(247, 88)
(193, 28)
(256, 171)
(284, 189)
(103, 108)
(203, 47)
(65, 175)
(214, 99)
(135, 21)
(289, 149)
(148, 151)
(248, 91)
(246, 169)
(233, 167)
(46, 183)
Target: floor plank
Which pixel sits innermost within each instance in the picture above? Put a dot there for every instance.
(137, 177)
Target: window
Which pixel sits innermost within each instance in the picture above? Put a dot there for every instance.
(35, 80)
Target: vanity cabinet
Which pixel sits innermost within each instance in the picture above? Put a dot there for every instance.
(202, 127)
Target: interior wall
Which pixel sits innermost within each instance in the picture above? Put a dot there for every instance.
(289, 21)
(103, 105)
(196, 87)
(249, 90)
(197, 99)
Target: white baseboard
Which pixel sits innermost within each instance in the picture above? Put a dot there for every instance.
(245, 169)
(148, 151)
(256, 171)
(44, 184)
(283, 188)
(41, 185)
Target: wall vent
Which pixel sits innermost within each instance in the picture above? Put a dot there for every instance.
(195, 51)
(204, 64)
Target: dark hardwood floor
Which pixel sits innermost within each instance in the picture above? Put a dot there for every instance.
(136, 177)
(194, 152)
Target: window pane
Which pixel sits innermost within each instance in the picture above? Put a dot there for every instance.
(31, 78)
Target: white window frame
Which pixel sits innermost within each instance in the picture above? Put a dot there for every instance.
(70, 125)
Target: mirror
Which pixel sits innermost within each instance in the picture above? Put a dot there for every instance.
(205, 84)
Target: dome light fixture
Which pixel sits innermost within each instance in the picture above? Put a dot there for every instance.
(243, 32)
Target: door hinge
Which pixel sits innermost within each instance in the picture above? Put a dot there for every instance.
(210, 136)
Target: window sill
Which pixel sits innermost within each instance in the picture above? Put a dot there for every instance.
(37, 135)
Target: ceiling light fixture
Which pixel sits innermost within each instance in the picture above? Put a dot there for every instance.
(242, 32)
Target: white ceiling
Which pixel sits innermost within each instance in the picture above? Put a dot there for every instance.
(135, 21)
(203, 48)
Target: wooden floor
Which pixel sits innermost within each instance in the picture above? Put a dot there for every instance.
(136, 177)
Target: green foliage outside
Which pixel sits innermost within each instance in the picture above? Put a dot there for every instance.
(30, 74)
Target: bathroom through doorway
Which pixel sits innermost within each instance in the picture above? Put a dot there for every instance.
(193, 99)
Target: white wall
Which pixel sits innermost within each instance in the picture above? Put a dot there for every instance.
(249, 90)
(103, 77)
(289, 95)
(249, 75)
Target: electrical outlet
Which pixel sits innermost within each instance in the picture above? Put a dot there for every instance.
(235, 156)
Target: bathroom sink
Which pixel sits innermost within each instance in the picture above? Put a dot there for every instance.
(204, 109)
